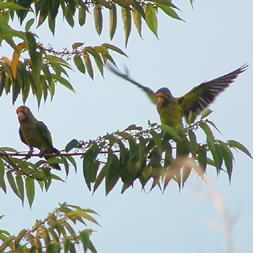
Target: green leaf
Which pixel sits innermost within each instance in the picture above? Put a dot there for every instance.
(113, 172)
(206, 130)
(86, 242)
(241, 147)
(2, 172)
(82, 15)
(63, 81)
(113, 20)
(151, 18)
(11, 6)
(72, 144)
(114, 48)
(30, 190)
(127, 22)
(137, 21)
(169, 11)
(13, 183)
(79, 63)
(90, 165)
(29, 24)
(98, 19)
(100, 178)
(228, 159)
(20, 185)
(88, 64)
(202, 158)
(97, 58)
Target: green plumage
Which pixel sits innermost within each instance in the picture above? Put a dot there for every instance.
(35, 133)
(173, 109)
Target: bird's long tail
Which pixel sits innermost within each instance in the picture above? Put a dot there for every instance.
(54, 165)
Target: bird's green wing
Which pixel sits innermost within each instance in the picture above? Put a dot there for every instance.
(22, 137)
(125, 76)
(45, 134)
(203, 95)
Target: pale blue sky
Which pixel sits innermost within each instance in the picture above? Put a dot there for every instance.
(215, 39)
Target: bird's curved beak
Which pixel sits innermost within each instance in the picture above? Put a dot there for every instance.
(160, 98)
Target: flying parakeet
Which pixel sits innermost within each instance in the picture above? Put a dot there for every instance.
(35, 133)
(173, 109)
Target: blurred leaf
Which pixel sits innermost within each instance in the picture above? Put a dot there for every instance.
(98, 19)
(169, 11)
(97, 59)
(113, 20)
(241, 147)
(79, 63)
(100, 178)
(82, 15)
(74, 143)
(85, 239)
(137, 21)
(20, 185)
(151, 18)
(126, 18)
(29, 24)
(113, 172)
(63, 81)
(13, 183)
(30, 190)
(88, 64)
(90, 164)
(228, 159)
(114, 48)
(12, 6)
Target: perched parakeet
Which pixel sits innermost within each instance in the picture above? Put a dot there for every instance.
(35, 133)
(173, 109)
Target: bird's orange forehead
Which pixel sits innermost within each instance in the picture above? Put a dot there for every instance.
(159, 94)
(22, 109)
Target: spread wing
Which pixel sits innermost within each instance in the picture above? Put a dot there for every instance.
(203, 95)
(125, 76)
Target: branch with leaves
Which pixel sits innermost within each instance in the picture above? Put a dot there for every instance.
(54, 233)
(147, 155)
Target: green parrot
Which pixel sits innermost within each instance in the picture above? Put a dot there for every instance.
(173, 109)
(35, 133)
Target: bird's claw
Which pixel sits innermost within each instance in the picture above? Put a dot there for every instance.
(29, 154)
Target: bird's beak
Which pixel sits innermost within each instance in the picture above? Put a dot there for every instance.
(160, 98)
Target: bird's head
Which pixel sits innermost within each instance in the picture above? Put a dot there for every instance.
(23, 113)
(163, 95)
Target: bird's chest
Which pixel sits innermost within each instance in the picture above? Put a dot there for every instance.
(32, 136)
(170, 114)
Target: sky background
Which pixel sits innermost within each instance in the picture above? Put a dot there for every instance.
(215, 39)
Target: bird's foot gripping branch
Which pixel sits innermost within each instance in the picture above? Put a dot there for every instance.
(154, 156)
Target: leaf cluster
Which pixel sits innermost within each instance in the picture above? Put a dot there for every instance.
(53, 234)
(158, 154)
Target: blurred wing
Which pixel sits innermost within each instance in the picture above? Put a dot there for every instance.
(203, 95)
(148, 91)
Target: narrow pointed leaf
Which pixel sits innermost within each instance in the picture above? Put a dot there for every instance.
(30, 191)
(241, 147)
(98, 19)
(113, 20)
(151, 18)
(127, 22)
